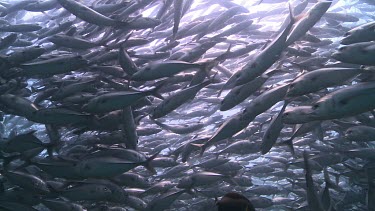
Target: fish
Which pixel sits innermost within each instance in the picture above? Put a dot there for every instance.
(117, 100)
(164, 201)
(320, 79)
(309, 20)
(20, 28)
(362, 50)
(312, 197)
(180, 129)
(28, 182)
(273, 131)
(177, 16)
(323, 108)
(87, 14)
(115, 105)
(362, 33)
(359, 133)
(52, 66)
(264, 59)
(200, 179)
(172, 102)
(166, 69)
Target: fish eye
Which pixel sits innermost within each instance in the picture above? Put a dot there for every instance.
(286, 114)
(315, 106)
(347, 34)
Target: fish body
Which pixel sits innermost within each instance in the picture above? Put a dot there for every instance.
(362, 33)
(174, 101)
(87, 14)
(309, 20)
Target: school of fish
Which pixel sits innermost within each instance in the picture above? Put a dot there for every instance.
(152, 105)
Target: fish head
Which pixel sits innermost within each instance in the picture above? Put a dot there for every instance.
(352, 134)
(102, 190)
(232, 81)
(226, 104)
(297, 115)
(341, 53)
(293, 89)
(349, 38)
(185, 183)
(136, 203)
(321, 109)
(79, 61)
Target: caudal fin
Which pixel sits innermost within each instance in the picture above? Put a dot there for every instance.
(289, 143)
(148, 165)
(155, 91)
(202, 147)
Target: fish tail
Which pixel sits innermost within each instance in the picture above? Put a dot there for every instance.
(148, 165)
(201, 146)
(291, 14)
(289, 143)
(155, 91)
(230, 180)
(326, 178)
(50, 147)
(207, 66)
(217, 154)
(221, 58)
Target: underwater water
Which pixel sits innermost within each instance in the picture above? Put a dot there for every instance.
(171, 104)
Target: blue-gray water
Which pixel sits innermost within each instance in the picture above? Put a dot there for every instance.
(69, 69)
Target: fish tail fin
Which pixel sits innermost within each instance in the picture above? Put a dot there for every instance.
(155, 91)
(337, 177)
(201, 146)
(229, 179)
(326, 178)
(221, 58)
(291, 14)
(50, 148)
(148, 165)
(217, 154)
(289, 143)
(220, 91)
(207, 66)
(212, 78)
